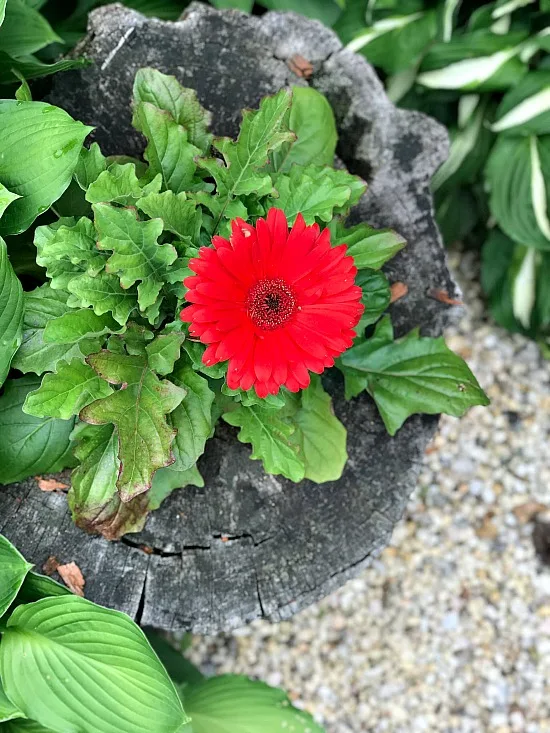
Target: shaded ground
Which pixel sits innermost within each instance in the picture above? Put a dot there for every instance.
(449, 630)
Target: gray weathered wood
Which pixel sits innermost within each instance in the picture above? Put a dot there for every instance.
(288, 544)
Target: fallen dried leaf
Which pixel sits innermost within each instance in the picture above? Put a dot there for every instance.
(525, 512)
(50, 484)
(300, 66)
(488, 529)
(72, 576)
(443, 297)
(398, 290)
(51, 565)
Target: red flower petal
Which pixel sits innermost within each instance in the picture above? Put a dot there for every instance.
(276, 304)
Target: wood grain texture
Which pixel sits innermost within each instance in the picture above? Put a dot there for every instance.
(251, 545)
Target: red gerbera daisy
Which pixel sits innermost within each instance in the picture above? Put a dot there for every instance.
(274, 303)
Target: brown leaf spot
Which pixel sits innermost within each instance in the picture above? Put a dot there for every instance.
(398, 290)
(50, 484)
(51, 565)
(300, 66)
(443, 297)
(72, 576)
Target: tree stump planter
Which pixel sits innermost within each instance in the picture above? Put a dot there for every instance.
(249, 545)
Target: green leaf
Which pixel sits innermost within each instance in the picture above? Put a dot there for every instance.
(35, 354)
(29, 445)
(414, 375)
(195, 350)
(138, 412)
(90, 165)
(178, 667)
(518, 175)
(116, 681)
(8, 711)
(104, 294)
(397, 42)
(192, 418)
(168, 150)
(65, 392)
(167, 479)
(320, 436)
(376, 295)
(11, 312)
(481, 61)
(24, 30)
(13, 569)
(39, 149)
(525, 109)
(271, 438)
(261, 131)
(137, 254)
(370, 248)
(179, 214)
(68, 249)
(36, 586)
(166, 93)
(76, 325)
(24, 726)
(240, 705)
(2, 10)
(23, 91)
(164, 351)
(6, 197)
(312, 121)
(313, 197)
(120, 184)
(32, 68)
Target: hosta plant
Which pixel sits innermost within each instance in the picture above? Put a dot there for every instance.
(67, 664)
(215, 280)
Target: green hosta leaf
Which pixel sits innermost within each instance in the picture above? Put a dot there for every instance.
(24, 30)
(376, 295)
(68, 249)
(166, 93)
(37, 586)
(35, 354)
(102, 648)
(369, 247)
(138, 412)
(168, 150)
(2, 10)
(32, 68)
(525, 109)
(90, 165)
(65, 392)
(13, 569)
(8, 711)
(518, 175)
(314, 198)
(312, 121)
(39, 149)
(192, 418)
(397, 42)
(11, 312)
(480, 61)
(76, 325)
(6, 197)
(179, 214)
(320, 436)
(120, 184)
(414, 375)
(262, 131)
(178, 667)
(271, 438)
(104, 294)
(136, 252)
(240, 705)
(24, 726)
(29, 445)
(164, 351)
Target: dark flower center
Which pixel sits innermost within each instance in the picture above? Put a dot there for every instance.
(270, 303)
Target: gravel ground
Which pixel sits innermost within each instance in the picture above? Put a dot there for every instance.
(449, 630)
